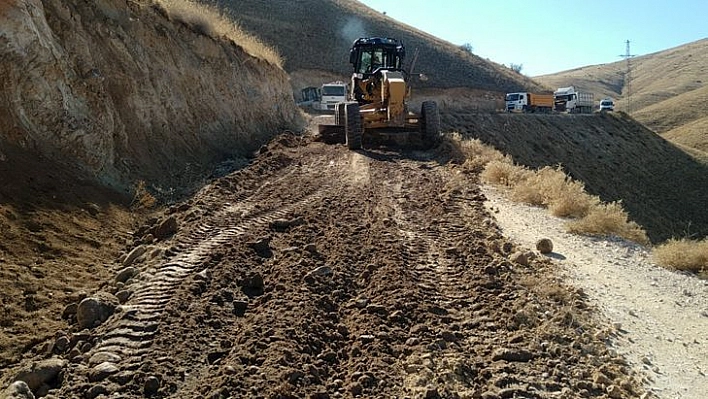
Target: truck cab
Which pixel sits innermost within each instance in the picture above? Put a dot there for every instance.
(567, 99)
(331, 94)
(516, 102)
(529, 102)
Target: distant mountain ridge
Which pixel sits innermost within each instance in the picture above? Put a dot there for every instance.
(667, 90)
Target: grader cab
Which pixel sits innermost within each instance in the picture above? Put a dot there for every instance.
(379, 94)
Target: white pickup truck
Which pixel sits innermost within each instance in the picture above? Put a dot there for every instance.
(606, 104)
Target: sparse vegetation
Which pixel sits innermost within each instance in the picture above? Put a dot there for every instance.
(564, 197)
(504, 173)
(467, 47)
(552, 188)
(142, 199)
(472, 153)
(516, 67)
(609, 218)
(211, 22)
(683, 254)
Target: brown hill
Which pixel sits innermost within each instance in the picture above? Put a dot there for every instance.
(668, 89)
(315, 36)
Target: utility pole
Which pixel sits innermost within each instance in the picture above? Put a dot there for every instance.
(628, 77)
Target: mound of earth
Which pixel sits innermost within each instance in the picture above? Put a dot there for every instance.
(132, 93)
(320, 272)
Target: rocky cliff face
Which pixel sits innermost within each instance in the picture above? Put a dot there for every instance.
(128, 94)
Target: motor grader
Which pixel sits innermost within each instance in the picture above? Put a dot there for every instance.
(378, 98)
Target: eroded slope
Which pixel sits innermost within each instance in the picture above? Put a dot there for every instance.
(662, 187)
(129, 94)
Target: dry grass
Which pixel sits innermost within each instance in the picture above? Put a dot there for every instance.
(609, 219)
(142, 199)
(564, 197)
(552, 188)
(684, 254)
(211, 22)
(473, 154)
(504, 173)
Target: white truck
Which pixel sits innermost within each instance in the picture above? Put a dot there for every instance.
(325, 97)
(330, 95)
(607, 105)
(567, 99)
(528, 102)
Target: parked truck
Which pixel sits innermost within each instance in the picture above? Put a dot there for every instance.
(529, 102)
(331, 94)
(325, 97)
(567, 99)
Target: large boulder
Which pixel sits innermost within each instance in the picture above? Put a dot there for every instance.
(38, 375)
(18, 390)
(95, 310)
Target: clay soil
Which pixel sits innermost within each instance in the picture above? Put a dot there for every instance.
(59, 232)
(314, 272)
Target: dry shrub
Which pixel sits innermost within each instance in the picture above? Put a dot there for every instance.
(609, 219)
(451, 148)
(472, 153)
(142, 199)
(478, 154)
(503, 172)
(572, 201)
(684, 254)
(564, 197)
(209, 21)
(552, 188)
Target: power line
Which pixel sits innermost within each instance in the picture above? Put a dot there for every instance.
(628, 77)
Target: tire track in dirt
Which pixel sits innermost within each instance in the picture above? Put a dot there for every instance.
(441, 280)
(386, 280)
(125, 341)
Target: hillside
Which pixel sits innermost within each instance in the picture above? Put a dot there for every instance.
(668, 89)
(318, 42)
(662, 187)
(134, 92)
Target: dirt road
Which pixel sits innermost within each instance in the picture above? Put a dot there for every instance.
(662, 315)
(321, 272)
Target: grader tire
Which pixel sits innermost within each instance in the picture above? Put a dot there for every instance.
(429, 124)
(352, 126)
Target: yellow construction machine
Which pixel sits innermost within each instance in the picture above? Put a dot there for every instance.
(378, 98)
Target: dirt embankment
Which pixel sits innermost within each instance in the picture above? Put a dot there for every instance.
(662, 187)
(129, 94)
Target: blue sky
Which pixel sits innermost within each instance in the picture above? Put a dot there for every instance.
(553, 36)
